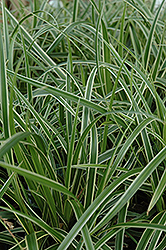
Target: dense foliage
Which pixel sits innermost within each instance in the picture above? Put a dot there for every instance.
(83, 125)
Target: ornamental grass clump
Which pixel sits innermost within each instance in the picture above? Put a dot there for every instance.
(83, 125)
